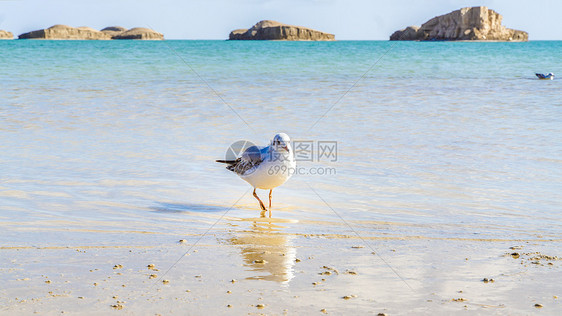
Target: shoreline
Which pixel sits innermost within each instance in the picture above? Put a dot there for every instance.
(280, 273)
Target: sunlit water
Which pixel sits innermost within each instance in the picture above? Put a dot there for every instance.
(445, 140)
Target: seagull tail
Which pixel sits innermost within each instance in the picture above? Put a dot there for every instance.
(227, 161)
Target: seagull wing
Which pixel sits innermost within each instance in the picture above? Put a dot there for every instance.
(250, 158)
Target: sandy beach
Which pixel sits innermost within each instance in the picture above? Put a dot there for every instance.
(254, 266)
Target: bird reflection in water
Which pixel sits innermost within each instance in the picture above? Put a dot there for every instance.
(266, 250)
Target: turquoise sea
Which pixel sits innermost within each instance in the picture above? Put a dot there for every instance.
(103, 140)
(435, 132)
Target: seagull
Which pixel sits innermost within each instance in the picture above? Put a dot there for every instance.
(265, 167)
(549, 76)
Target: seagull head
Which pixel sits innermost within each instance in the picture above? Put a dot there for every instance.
(281, 142)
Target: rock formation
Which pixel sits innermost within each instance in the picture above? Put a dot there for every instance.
(6, 35)
(271, 30)
(67, 33)
(408, 34)
(140, 33)
(113, 30)
(63, 32)
(466, 24)
(238, 34)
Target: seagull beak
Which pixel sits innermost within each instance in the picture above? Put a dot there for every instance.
(286, 148)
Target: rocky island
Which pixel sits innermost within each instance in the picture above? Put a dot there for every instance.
(139, 33)
(63, 32)
(271, 30)
(6, 35)
(466, 24)
(113, 30)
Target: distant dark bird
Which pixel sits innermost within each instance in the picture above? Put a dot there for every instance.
(550, 76)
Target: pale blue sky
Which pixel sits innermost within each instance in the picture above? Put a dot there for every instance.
(214, 19)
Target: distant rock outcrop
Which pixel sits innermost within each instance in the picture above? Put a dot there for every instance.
(271, 30)
(6, 35)
(408, 34)
(466, 24)
(66, 33)
(140, 33)
(113, 30)
(238, 34)
(63, 32)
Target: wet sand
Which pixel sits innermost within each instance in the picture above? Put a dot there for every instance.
(250, 265)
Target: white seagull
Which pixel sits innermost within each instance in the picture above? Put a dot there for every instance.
(265, 167)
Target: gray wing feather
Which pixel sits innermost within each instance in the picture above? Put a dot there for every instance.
(251, 157)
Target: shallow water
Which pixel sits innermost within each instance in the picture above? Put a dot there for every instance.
(436, 133)
(113, 143)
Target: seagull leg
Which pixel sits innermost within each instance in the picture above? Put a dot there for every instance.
(261, 203)
(270, 202)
